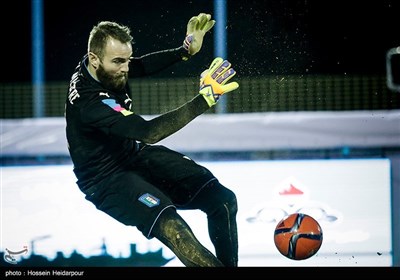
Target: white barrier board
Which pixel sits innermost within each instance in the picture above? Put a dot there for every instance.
(350, 199)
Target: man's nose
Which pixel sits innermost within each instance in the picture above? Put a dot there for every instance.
(125, 67)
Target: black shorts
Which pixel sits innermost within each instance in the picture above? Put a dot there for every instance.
(158, 178)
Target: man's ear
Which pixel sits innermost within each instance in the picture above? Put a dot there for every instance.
(94, 60)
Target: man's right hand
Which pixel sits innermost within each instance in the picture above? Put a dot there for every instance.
(213, 81)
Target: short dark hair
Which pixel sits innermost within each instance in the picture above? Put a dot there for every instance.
(101, 32)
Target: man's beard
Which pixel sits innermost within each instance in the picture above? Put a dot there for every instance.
(114, 83)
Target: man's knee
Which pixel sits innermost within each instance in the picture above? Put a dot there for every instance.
(216, 197)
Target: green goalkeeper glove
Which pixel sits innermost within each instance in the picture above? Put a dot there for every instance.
(196, 29)
(213, 81)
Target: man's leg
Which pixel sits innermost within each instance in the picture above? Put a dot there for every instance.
(176, 234)
(220, 205)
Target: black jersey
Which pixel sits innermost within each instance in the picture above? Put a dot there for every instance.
(102, 130)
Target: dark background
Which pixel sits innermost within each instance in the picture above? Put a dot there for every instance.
(264, 37)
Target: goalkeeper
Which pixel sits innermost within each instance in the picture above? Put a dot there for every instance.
(117, 162)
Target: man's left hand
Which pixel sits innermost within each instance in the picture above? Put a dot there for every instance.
(196, 29)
